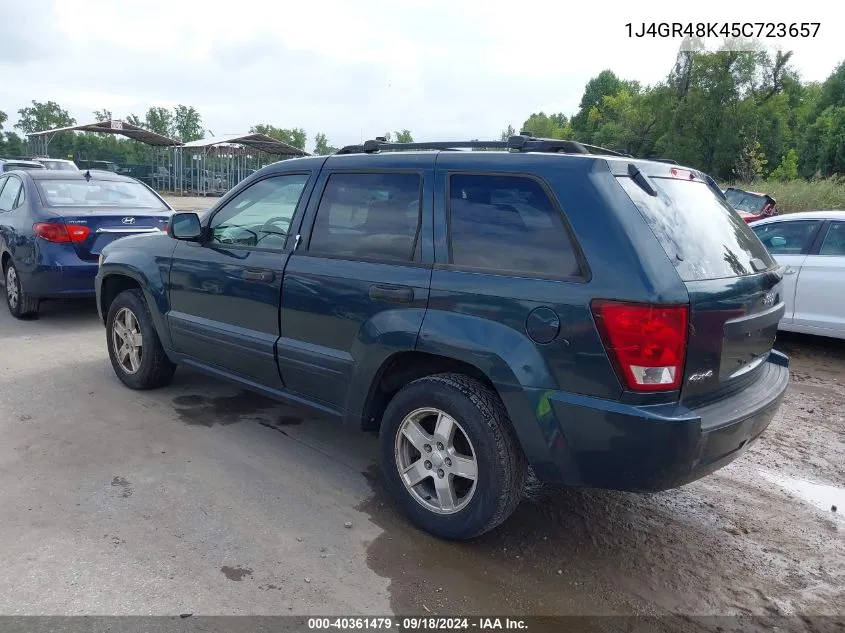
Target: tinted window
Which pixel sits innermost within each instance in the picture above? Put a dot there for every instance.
(787, 238)
(369, 216)
(701, 234)
(9, 194)
(508, 223)
(98, 193)
(260, 215)
(834, 241)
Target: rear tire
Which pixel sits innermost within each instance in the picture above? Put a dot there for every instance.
(481, 433)
(21, 305)
(135, 350)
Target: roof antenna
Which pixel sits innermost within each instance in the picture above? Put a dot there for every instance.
(87, 175)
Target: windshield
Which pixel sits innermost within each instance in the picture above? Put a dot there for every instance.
(745, 201)
(59, 165)
(702, 235)
(98, 193)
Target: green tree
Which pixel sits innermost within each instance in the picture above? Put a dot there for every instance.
(293, 136)
(187, 123)
(542, 125)
(102, 115)
(160, 121)
(134, 119)
(3, 118)
(404, 136)
(507, 133)
(788, 168)
(43, 116)
(321, 145)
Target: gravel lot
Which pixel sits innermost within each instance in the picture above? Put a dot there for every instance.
(201, 498)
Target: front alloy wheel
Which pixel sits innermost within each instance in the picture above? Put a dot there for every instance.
(127, 340)
(436, 460)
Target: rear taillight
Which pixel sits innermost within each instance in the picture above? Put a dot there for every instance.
(61, 233)
(647, 343)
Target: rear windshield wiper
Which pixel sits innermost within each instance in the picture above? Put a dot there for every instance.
(640, 178)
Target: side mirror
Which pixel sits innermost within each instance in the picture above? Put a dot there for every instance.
(778, 241)
(185, 226)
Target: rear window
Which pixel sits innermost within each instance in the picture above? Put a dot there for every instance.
(702, 235)
(98, 193)
(745, 201)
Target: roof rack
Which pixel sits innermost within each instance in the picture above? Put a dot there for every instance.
(518, 143)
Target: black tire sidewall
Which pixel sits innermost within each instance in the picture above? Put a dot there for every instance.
(473, 519)
(134, 301)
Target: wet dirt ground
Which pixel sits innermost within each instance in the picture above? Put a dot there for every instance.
(203, 498)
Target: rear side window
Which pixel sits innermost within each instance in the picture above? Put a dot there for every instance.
(368, 216)
(9, 194)
(787, 238)
(834, 241)
(702, 235)
(509, 224)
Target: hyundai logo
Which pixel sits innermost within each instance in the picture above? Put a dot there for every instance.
(128, 220)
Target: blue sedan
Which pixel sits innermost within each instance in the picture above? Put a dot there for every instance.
(54, 224)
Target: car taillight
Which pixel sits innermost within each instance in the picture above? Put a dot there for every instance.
(61, 233)
(647, 343)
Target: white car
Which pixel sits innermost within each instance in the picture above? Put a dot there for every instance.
(811, 245)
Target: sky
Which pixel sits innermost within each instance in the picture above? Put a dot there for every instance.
(454, 69)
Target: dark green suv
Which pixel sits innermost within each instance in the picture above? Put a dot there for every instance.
(604, 320)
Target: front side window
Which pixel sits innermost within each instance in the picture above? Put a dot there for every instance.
(9, 194)
(834, 241)
(787, 238)
(260, 215)
(508, 223)
(368, 216)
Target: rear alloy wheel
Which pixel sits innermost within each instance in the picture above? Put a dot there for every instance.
(21, 305)
(450, 456)
(135, 350)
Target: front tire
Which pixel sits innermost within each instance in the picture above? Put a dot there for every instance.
(450, 456)
(21, 305)
(135, 350)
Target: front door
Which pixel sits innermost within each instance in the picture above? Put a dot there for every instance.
(225, 291)
(357, 290)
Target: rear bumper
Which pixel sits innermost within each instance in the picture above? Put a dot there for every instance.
(603, 444)
(61, 281)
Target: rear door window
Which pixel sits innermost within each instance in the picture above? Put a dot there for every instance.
(508, 224)
(368, 216)
(701, 234)
(787, 238)
(834, 241)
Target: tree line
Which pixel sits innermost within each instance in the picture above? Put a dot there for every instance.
(738, 115)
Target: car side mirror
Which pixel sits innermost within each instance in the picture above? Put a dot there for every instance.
(185, 226)
(778, 241)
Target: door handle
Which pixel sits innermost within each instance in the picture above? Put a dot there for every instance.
(257, 275)
(392, 294)
(789, 271)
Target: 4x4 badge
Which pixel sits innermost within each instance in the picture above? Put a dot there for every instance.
(700, 376)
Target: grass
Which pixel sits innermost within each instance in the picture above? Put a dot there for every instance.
(802, 195)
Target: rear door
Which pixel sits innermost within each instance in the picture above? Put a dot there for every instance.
(818, 297)
(356, 289)
(735, 288)
(789, 241)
